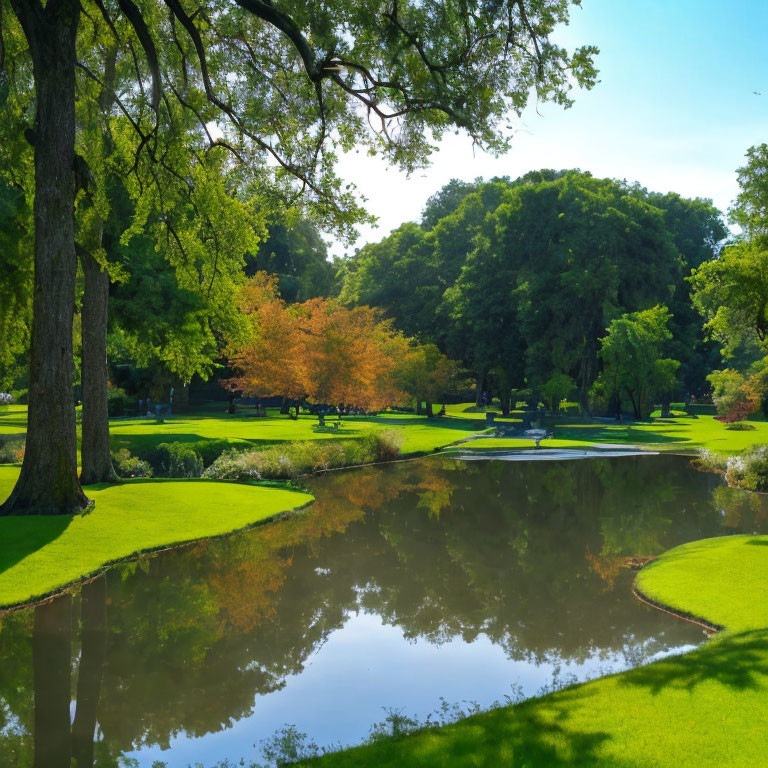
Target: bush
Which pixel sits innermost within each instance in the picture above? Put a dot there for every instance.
(701, 409)
(117, 401)
(179, 460)
(210, 450)
(741, 426)
(290, 460)
(748, 471)
(20, 396)
(12, 452)
(130, 466)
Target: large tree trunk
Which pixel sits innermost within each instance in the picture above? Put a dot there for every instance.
(428, 408)
(48, 483)
(93, 652)
(480, 388)
(51, 658)
(96, 458)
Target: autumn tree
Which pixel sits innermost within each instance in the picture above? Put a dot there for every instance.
(289, 85)
(318, 350)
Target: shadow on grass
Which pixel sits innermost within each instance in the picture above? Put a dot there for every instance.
(738, 661)
(21, 536)
(601, 434)
(535, 734)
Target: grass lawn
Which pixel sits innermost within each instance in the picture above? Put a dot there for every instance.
(13, 419)
(210, 422)
(41, 554)
(706, 708)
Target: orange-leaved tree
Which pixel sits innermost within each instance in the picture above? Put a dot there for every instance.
(268, 357)
(318, 350)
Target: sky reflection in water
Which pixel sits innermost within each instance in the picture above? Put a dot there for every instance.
(401, 585)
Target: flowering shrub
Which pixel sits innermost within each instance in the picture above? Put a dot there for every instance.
(749, 470)
(289, 460)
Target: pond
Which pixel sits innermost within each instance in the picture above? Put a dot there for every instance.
(403, 585)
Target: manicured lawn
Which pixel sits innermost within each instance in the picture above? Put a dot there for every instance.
(704, 709)
(210, 422)
(41, 554)
(681, 433)
(13, 419)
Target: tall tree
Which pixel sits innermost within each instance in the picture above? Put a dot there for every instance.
(287, 82)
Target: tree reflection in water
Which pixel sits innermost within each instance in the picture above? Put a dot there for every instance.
(529, 555)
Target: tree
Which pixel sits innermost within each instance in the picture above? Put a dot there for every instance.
(298, 255)
(553, 262)
(731, 396)
(417, 69)
(318, 350)
(633, 365)
(750, 210)
(732, 295)
(426, 374)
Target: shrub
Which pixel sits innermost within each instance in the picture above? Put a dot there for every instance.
(748, 471)
(741, 426)
(290, 460)
(12, 452)
(130, 466)
(179, 460)
(210, 450)
(700, 409)
(117, 401)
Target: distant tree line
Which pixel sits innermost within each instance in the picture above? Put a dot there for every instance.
(521, 280)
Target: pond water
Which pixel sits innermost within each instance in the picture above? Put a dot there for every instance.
(470, 581)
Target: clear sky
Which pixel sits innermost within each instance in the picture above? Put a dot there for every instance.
(676, 109)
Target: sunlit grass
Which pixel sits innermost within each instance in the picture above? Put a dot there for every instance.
(706, 708)
(39, 554)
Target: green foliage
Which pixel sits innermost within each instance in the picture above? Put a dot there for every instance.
(299, 257)
(632, 358)
(130, 466)
(728, 392)
(750, 211)
(290, 460)
(732, 294)
(178, 460)
(117, 401)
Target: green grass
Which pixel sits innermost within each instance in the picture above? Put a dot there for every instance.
(422, 435)
(13, 419)
(704, 709)
(41, 554)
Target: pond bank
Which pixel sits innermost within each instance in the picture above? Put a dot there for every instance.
(705, 708)
(41, 555)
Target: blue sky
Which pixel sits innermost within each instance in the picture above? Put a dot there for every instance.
(675, 109)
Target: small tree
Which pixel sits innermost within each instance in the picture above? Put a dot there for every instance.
(632, 362)
(426, 374)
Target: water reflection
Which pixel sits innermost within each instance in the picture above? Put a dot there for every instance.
(499, 572)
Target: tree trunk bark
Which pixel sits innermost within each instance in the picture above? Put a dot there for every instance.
(93, 652)
(96, 458)
(51, 660)
(430, 412)
(479, 389)
(285, 406)
(48, 483)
